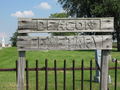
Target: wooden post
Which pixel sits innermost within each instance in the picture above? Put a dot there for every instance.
(104, 70)
(21, 69)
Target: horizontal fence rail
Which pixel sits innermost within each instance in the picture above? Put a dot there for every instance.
(43, 68)
(73, 68)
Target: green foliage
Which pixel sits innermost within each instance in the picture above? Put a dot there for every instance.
(114, 45)
(58, 15)
(61, 15)
(13, 39)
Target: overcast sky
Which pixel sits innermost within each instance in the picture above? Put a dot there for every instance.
(10, 10)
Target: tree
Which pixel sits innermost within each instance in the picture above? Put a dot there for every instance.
(58, 15)
(13, 39)
(61, 15)
(95, 8)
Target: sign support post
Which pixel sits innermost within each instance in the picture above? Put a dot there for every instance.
(98, 59)
(21, 69)
(104, 70)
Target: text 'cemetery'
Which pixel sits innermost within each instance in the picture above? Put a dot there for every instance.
(64, 42)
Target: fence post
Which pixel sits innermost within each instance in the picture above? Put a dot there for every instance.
(104, 70)
(46, 75)
(21, 69)
(16, 70)
(82, 75)
(64, 75)
(90, 74)
(116, 75)
(55, 67)
(37, 75)
(73, 74)
(27, 76)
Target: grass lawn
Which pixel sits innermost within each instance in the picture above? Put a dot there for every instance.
(8, 56)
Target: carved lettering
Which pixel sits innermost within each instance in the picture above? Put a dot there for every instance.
(97, 41)
(71, 42)
(70, 25)
(61, 25)
(80, 25)
(41, 25)
(52, 25)
(43, 43)
(51, 44)
(89, 43)
(80, 42)
(62, 43)
(66, 42)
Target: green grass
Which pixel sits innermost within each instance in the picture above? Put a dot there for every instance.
(8, 56)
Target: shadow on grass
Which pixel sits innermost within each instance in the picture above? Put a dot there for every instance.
(114, 51)
(85, 50)
(85, 80)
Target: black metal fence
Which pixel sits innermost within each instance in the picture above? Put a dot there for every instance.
(55, 69)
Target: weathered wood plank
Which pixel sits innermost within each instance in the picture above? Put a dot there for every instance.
(38, 25)
(28, 43)
(21, 68)
(104, 70)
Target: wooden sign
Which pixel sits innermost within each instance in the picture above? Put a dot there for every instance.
(38, 25)
(26, 43)
(91, 42)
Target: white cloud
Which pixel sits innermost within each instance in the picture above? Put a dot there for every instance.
(43, 5)
(2, 34)
(24, 14)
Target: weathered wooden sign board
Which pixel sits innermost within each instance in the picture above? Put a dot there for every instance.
(27, 43)
(38, 25)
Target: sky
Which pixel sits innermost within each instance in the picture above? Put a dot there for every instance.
(10, 10)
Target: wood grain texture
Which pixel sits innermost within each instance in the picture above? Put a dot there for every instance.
(21, 68)
(28, 43)
(40, 25)
(104, 70)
